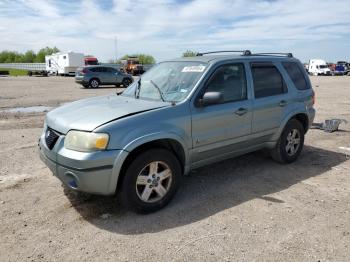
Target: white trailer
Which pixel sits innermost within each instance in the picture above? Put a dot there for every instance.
(318, 67)
(64, 63)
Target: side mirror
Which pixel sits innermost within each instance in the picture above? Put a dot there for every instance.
(211, 98)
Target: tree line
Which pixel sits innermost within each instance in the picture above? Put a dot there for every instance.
(31, 57)
(28, 57)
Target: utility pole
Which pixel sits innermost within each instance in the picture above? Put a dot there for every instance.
(115, 48)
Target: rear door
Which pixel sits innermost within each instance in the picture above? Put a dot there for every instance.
(271, 99)
(104, 75)
(111, 75)
(218, 129)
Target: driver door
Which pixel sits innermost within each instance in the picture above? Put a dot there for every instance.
(220, 129)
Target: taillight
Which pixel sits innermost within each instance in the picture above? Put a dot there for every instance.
(84, 71)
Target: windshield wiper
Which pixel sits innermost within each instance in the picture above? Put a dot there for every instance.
(138, 89)
(160, 92)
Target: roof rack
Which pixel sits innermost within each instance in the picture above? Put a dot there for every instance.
(244, 52)
(276, 54)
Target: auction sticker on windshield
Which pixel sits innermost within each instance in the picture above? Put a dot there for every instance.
(197, 69)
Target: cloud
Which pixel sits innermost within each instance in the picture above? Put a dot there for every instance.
(166, 28)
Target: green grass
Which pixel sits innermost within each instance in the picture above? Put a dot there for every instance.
(15, 72)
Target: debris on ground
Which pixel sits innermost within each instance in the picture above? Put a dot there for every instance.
(330, 125)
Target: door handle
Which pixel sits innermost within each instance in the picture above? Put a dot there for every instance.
(283, 103)
(241, 111)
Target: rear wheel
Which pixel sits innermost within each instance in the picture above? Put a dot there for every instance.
(151, 180)
(290, 143)
(94, 83)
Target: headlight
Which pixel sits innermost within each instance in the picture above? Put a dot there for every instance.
(86, 141)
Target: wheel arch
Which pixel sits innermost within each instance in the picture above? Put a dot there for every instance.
(172, 144)
(301, 116)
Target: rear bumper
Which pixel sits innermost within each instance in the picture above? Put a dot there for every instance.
(311, 115)
(95, 172)
(81, 80)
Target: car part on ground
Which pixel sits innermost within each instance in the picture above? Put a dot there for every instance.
(329, 125)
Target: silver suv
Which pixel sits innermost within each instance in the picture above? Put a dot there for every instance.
(180, 115)
(94, 76)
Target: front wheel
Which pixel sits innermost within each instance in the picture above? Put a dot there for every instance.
(290, 143)
(151, 180)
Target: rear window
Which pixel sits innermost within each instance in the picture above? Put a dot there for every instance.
(267, 80)
(296, 75)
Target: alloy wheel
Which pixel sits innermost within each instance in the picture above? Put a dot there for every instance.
(153, 182)
(292, 142)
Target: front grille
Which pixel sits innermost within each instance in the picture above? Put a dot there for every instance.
(51, 137)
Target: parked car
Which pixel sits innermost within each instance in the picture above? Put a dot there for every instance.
(342, 68)
(180, 115)
(94, 76)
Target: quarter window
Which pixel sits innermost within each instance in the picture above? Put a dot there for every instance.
(230, 80)
(296, 75)
(267, 80)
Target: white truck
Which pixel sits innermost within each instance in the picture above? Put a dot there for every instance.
(318, 67)
(64, 63)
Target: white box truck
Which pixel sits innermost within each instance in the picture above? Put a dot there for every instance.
(318, 67)
(64, 63)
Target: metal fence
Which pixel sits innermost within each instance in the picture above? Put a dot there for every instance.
(24, 66)
(41, 66)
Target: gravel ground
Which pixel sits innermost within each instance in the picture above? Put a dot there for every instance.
(244, 209)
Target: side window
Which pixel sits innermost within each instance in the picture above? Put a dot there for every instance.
(267, 80)
(93, 69)
(230, 80)
(99, 69)
(111, 70)
(296, 75)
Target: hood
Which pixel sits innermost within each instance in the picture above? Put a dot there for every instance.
(88, 114)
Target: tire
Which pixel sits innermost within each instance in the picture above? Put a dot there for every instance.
(94, 83)
(288, 148)
(126, 82)
(144, 192)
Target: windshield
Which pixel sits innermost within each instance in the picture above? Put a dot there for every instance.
(323, 66)
(168, 81)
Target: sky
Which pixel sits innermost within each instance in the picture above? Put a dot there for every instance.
(166, 28)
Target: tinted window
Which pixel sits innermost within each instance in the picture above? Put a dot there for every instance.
(296, 75)
(267, 80)
(94, 69)
(111, 70)
(98, 69)
(230, 81)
